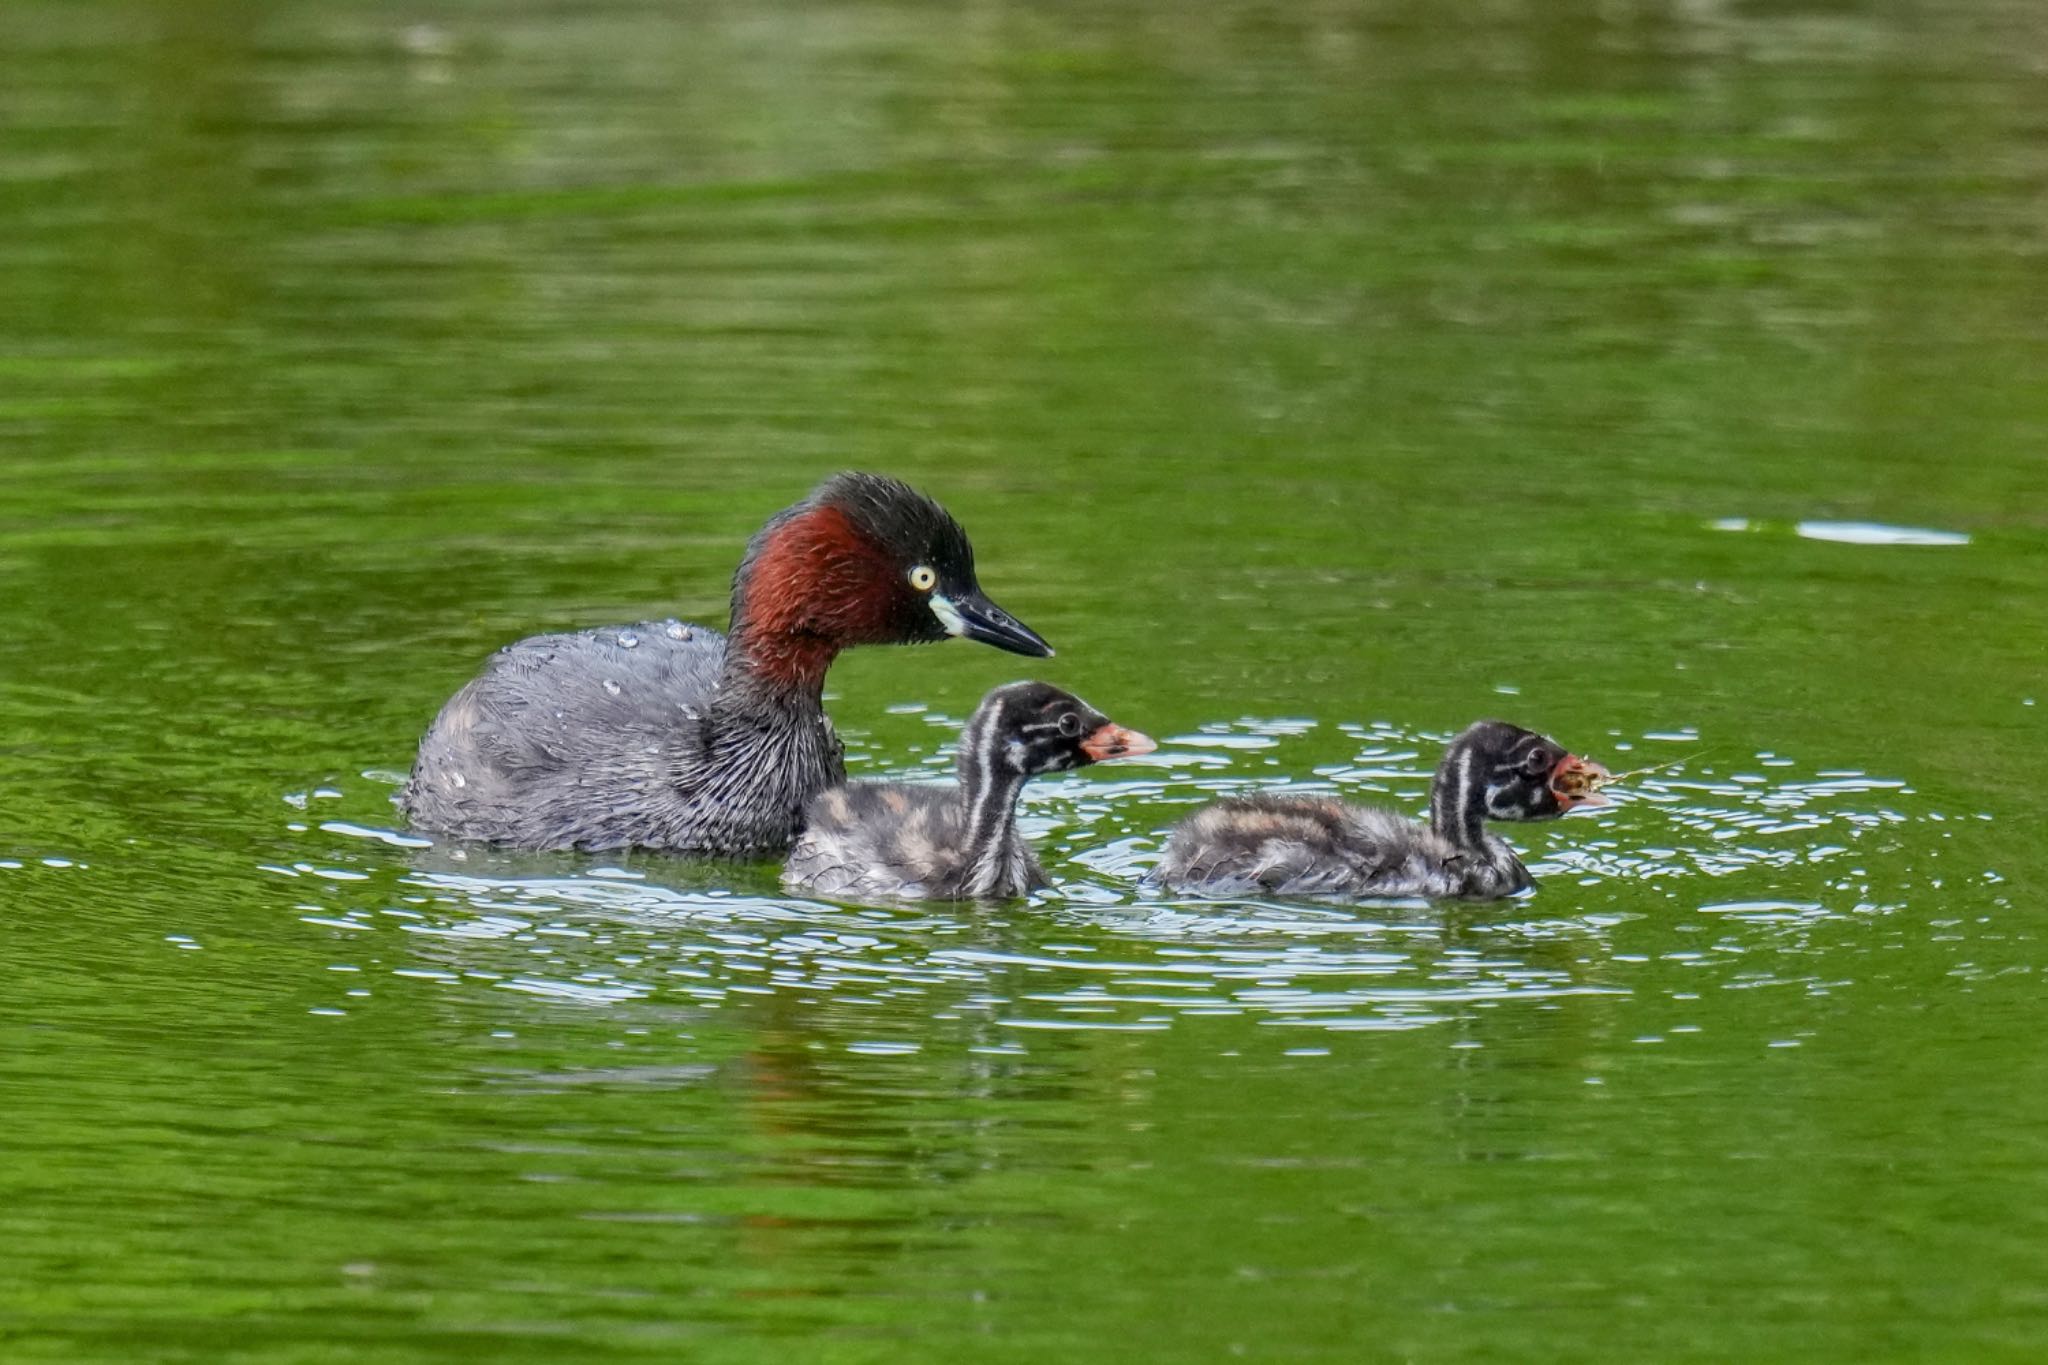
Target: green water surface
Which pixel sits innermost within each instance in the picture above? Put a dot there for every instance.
(1318, 377)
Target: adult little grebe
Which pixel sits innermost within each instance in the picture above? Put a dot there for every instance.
(1320, 846)
(671, 736)
(956, 841)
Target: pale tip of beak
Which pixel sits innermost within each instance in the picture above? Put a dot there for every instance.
(1114, 741)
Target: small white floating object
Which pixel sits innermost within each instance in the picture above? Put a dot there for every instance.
(1847, 532)
(1876, 533)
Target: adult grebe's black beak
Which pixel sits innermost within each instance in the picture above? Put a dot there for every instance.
(971, 616)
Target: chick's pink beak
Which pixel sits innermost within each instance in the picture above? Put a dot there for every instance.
(1113, 741)
(1576, 782)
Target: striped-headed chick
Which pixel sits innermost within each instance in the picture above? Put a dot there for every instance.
(956, 840)
(1320, 846)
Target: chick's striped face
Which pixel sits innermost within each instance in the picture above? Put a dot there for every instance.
(1046, 737)
(1533, 777)
(1035, 728)
(1518, 788)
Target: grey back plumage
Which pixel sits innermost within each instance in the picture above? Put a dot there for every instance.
(621, 737)
(1318, 846)
(951, 841)
(896, 840)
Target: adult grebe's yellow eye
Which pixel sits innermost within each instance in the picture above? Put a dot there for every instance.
(924, 578)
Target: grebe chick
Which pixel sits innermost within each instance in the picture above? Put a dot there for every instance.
(1320, 846)
(671, 736)
(956, 841)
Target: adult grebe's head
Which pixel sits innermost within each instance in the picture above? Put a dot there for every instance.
(862, 560)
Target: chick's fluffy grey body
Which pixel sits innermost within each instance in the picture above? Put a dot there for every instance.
(1310, 846)
(897, 840)
(611, 738)
(959, 840)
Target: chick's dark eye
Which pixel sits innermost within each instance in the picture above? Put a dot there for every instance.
(1070, 725)
(1538, 760)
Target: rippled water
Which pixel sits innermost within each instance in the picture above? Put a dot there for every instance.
(662, 931)
(1318, 380)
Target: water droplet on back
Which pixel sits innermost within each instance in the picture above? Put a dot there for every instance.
(611, 687)
(628, 640)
